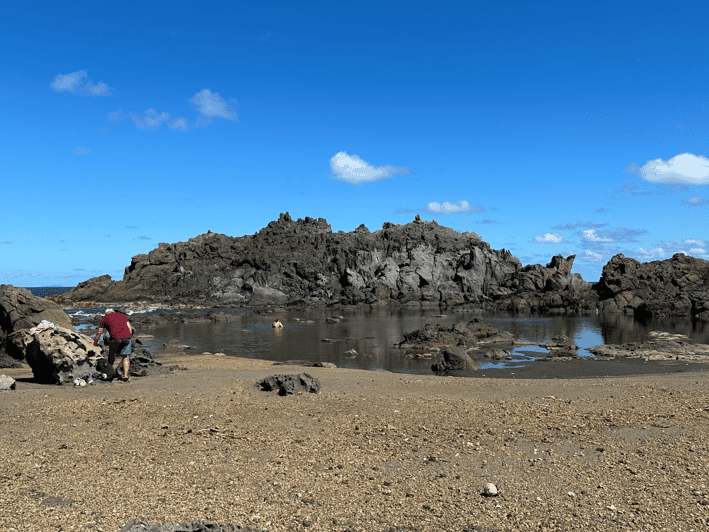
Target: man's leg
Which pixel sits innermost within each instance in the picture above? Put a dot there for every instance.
(126, 366)
(125, 353)
(114, 347)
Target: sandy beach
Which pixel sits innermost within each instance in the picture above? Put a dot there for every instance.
(373, 451)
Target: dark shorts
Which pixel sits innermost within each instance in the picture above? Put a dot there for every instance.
(118, 348)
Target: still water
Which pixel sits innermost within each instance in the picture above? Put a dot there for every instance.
(373, 334)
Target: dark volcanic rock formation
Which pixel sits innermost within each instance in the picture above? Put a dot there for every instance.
(675, 287)
(304, 262)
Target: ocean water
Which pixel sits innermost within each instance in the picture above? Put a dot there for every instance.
(47, 291)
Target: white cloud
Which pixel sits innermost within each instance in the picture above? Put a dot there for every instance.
(651, 254)
(150, 120)
(447, 207)
(210, 104)
(619, 234)
(76, 83)
(591, 235)
(685, 168)
(550, 238)
(353, 169)
(695, 201)
(81, 150)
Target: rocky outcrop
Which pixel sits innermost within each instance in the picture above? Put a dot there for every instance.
(550, 289)
(304, 262)
(20, 309)
(57, 355)
(658, 345)
(675, 287)
(475, 333)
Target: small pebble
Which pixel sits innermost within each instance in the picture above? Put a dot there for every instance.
(490, 490)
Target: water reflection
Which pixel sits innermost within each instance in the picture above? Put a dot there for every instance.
(374, 333)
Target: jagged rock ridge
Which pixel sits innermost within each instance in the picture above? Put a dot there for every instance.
(303, 261)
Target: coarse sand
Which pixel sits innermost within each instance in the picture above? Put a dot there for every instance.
(373, 451)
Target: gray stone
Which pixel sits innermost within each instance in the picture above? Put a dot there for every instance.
(7, 383)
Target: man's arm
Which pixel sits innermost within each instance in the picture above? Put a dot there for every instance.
(131, 328)
(98, 335)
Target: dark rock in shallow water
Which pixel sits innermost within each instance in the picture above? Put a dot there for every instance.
(476, 332)
(289, 384)
(657, 346)
(453, 359)
(674, 287)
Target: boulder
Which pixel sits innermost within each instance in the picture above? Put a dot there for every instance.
(453, 359)
(6, 383)
(289, 384)
(20, 309)
(57, 355)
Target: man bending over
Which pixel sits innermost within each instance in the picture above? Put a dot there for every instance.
(121, 332)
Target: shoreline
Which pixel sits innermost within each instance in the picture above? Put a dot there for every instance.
(371, 451)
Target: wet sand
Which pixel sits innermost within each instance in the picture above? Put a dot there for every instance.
(374, 451)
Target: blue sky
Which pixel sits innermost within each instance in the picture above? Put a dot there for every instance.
(545, 127)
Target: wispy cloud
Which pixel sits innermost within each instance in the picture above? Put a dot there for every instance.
(143, 237)
(151, 119)
(210, 104)
(81, 150)
(592, 256)
(76, 83)
(619, 234)
(179, 124)
(355, 170)
(550, 238)
(448, 207)
(695, 201)
(665, 249)
(685, 168)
